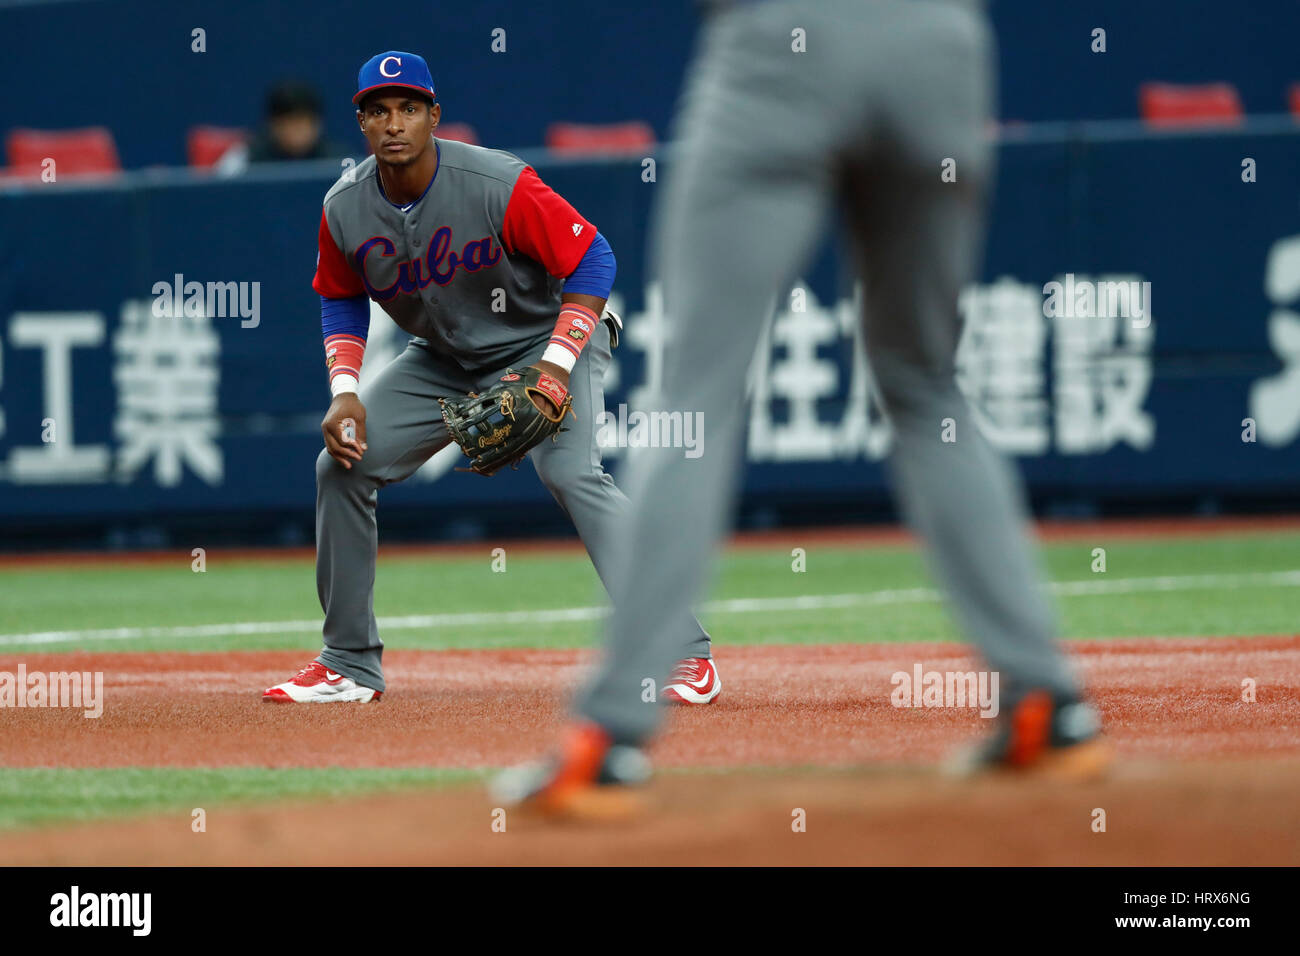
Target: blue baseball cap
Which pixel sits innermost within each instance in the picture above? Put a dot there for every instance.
(394, 68)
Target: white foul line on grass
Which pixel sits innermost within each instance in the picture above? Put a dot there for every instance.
(807, 602)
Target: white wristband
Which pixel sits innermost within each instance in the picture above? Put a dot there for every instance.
(340, 384)
(559, 355)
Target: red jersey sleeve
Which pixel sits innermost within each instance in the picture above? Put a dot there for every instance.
(540, 224)
(334, 279)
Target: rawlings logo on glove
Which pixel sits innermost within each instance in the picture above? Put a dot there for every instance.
(500, 426)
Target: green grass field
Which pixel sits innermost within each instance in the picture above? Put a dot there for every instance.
(39, 796)
(1229, 584)
(1241, 584)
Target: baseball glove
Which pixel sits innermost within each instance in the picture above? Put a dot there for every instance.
(500, 426)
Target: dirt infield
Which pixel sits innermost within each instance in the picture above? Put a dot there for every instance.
(1204, 776)
(826, 705)
(1206, 814)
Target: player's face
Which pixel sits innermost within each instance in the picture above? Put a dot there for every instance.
(398, 127)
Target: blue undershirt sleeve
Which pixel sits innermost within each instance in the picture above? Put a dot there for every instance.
(595, 272)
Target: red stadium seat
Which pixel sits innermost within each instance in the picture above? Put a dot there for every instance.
(599, 138)
(1173, 104)
(460, 132)
(75, 152)
(206, 144)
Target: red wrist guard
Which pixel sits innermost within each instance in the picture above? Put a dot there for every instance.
(573, 330)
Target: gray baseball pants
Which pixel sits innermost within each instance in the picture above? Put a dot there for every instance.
(404, 428)
(883, 93)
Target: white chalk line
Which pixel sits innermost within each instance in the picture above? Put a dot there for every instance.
(569, 615)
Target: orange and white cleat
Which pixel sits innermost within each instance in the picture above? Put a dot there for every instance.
(317, 684)
(590, 779)
(1042, 736)
(694, 680)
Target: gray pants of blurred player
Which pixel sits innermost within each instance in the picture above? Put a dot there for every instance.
(769, 138)
(404, 428)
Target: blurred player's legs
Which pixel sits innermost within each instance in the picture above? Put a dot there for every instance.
(916, 247)
(884, 94)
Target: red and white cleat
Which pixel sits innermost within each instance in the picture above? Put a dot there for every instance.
(317, 684)
(694, 680)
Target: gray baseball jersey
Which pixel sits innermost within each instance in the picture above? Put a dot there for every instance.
(474, 268)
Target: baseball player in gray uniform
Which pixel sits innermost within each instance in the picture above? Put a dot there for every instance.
(791, 107)
(473, 255)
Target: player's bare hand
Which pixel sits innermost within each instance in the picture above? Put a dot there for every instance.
(344, 429)
(561, 376)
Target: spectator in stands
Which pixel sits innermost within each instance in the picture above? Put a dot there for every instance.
(293, 130)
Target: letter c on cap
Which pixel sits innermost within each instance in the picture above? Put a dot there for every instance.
(384, 62)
